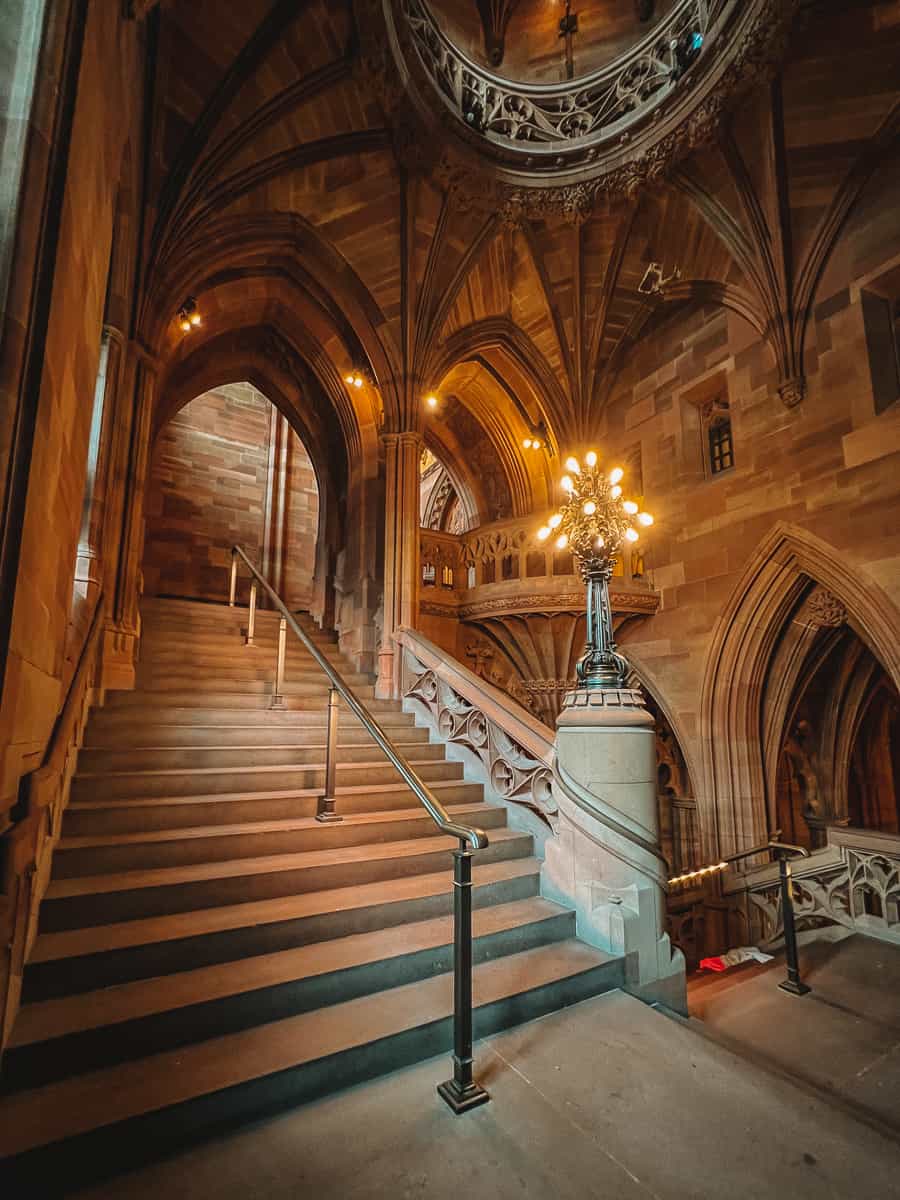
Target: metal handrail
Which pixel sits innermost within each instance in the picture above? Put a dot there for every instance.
(783, 851)
(475, 837)
(461, 1092)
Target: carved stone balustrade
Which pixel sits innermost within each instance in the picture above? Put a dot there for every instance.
(852, 885)
(502, 744)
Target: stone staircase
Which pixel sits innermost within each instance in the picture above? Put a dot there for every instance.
(208, 951)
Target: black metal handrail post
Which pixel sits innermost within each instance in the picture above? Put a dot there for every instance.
(783, 850)
(326, 800)
(793, 984)
(462, 1092)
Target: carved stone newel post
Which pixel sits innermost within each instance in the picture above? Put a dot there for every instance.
(606, 859)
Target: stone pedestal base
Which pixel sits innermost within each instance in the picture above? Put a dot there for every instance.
(605, 861)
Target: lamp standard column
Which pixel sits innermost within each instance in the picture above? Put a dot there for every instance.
(401, 552)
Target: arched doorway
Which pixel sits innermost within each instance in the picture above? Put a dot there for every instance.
(228, 469)
(839, 759)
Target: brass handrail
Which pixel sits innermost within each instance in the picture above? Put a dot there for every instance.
(475, 837)
(461, 1092)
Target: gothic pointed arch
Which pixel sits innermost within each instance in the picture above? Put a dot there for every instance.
(734, 802)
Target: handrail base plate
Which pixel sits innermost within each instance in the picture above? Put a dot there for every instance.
(462, 1099)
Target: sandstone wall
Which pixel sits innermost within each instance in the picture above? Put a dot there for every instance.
(225, 472)
(828, 467)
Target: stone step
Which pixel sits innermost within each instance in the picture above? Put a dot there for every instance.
(132, 895)
(297, 697)
(112, 737)
(127, 720)
(73, 961)
(98, 817)
(236, 1076)
(55, 1039)
(106, 853)
(204, 689)
(204, 781)
(156, 758)
(187, 673)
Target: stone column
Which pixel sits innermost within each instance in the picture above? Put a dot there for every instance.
(401, 553)
(124, 517)
(606, 860)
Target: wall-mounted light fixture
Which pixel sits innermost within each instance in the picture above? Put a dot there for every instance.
(431, 402)
(537, 438)
(354, 379)
(189, 315)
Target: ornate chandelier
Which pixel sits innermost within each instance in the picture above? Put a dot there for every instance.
(594, 523)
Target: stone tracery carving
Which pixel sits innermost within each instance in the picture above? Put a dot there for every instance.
(576, 110)
(744, 40)
(514, 775)
(835, 894)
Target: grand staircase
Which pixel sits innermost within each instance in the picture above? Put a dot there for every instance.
(208, 951)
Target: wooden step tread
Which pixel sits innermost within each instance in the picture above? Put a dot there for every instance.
(360, 789)
(97, 939)
(284, 825)
(55, 1018)
(76, 1105)
(123, 881)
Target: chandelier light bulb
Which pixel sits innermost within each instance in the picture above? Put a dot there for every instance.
(616, 474)
(591, 458)
(555, 521)
(645, 518)
(566, 484)
(573, 465)
(616, 492)
(600, 542)
(562, 541)
(589, 508)
(632, 534)
(630, 507)
(543, 533)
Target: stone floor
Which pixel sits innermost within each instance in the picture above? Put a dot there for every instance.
(843, 1037)
(606, 1099)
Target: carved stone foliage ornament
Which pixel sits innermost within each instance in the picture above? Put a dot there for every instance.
(825, 610)
(514, 775)
(529, 151)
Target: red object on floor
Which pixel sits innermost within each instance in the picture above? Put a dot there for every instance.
(713, 964)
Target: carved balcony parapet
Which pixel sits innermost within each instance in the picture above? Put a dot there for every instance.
(852, 883)
(503, 570)
(557, 145)
(514, 749)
